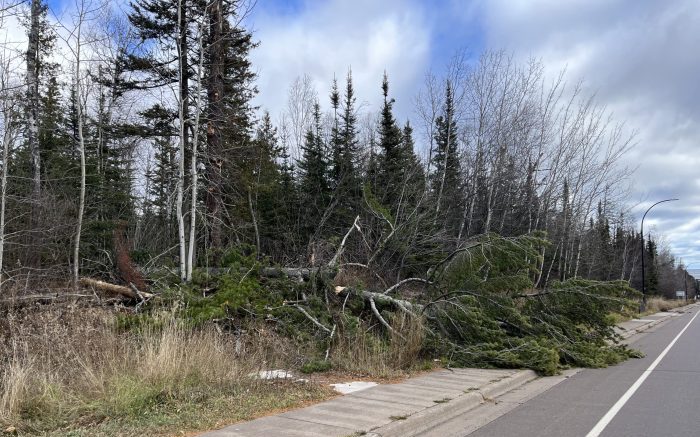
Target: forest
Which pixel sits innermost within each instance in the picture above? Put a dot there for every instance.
(135, 162)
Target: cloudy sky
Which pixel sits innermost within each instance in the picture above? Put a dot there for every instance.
(640, 58)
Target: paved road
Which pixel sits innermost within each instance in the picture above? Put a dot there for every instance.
(667, 403)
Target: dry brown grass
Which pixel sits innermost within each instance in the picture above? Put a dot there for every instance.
(67, 369)
(366, 354)
(658, 304)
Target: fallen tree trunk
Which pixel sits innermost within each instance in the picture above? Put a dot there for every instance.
(114, 289)
(404, 305)
(299, 273)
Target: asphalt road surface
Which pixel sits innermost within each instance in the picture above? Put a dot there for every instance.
(655, 396)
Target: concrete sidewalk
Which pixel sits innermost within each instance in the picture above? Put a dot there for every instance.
(641, 324)
(436, 395)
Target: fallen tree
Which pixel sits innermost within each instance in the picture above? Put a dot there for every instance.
(131, 292)
(476, 305)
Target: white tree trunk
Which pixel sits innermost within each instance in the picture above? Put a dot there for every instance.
(7, 138)
(193, 166)
(181, 158)
(81, 150)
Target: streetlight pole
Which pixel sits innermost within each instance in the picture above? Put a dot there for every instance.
(643, 306)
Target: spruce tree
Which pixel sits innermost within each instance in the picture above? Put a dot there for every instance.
(400, 175)
(230, 154)
(269, 186)
(345, 178)
(414, 174)
(54, 140)
(336, 144)
(40, 44)
(157, 127)
(314, 186)
(446, 180)
(390, 178)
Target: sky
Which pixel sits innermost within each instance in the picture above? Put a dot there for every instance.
(639, 58)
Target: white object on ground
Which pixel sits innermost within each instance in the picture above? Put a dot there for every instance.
(350, 387)
(273, 374)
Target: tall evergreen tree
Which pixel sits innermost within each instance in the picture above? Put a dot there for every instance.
(446, 179)
(158, 129)
(230, 151)
(345, 178)
(272, 189)
(413, 172)
(400, 174)
(390, 177)
(40, 44)
(314, 186)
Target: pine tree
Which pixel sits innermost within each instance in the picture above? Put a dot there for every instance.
(390, 178)
(314, 186)
(345, 178)
(40, 44)
(230, 89)
(271, 188)
(446, 180)
(157, 127)
(399, 174)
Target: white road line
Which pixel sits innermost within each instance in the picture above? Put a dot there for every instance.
(600, 426)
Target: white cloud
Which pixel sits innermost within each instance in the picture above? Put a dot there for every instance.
(326, 38)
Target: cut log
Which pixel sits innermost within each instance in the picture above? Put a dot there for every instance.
(114, 289)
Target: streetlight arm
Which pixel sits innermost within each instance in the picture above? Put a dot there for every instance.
(647, 211)
(642, 307)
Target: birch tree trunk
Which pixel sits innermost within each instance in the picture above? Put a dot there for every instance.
(81, 151)
(182, 133)
(193, 164)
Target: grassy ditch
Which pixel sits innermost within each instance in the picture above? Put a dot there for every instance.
(68, 372)
(659, 304)
(654, 305)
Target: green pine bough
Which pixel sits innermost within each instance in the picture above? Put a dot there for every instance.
(477, 306)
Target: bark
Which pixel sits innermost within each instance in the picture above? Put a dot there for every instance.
(33, 63)
(336, 258)
(7, 138)
(194, 175)
(215, 94)
(81, 150)
(182, 104)
(403, 305)
(255, 223)
(115, 289)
